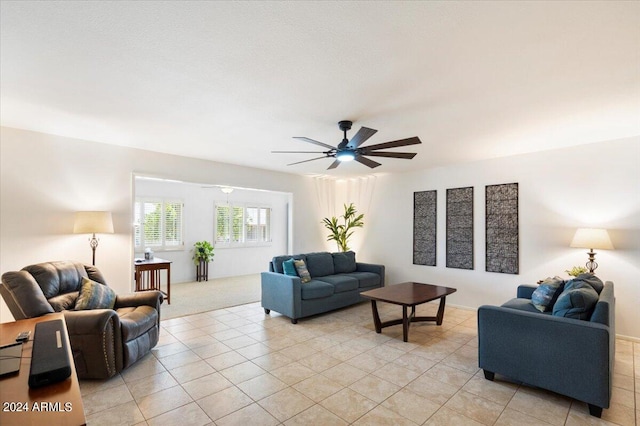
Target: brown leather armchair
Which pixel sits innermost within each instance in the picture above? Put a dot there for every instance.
(103, 341)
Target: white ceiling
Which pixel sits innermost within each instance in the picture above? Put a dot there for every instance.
(233, 81)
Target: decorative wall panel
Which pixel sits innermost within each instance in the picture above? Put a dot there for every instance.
(502, 249)
(424, 227)
(460, 228)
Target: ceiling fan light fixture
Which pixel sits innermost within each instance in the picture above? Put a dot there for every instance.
(346, 156)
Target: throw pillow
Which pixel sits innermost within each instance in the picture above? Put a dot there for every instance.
(545, 296)
(289, 268)
(576, 302)
(303, 273)
(592, 280)
(94, 295)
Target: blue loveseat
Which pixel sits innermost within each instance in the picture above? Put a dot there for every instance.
(572, 357)
(336, 281)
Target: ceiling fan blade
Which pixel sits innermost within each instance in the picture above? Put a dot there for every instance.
(406, 155)
(304, 161)
(359, 138)
(297, 152)
(302, 138)
(393, 144)
(334, 165)
(366, 161)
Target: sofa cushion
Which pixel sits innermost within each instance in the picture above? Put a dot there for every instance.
(344, 262)
(276, 262)
(587, 278)
(576, 302)
(341, 282)
(320, 264)
(63, 302)
(521, 304)
(301, 269)
(366, 279)
(316, 289)
(545, 296)
(289, 267)
(136, 321)
(94, 295)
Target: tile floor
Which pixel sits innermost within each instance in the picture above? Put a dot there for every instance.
(237, 366)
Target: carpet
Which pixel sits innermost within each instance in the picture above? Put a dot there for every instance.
(194, 297)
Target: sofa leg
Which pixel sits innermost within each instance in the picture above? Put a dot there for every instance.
(595, 411)
(294, 321)
(266, 311)
(489, 375)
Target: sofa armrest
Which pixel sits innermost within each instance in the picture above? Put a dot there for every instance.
(96, 342)
(567, 356)
(151, 298)
(525, 291)
(371, 267)
(281, 293)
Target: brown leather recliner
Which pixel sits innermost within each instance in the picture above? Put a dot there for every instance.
(103, 341)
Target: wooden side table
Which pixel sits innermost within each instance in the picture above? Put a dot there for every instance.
(58, 404)
(147, 274)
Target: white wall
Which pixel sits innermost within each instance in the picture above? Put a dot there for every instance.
(594, 185)
(44, 179)
(199, 213)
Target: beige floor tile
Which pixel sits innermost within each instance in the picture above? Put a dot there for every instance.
(293, 373)
(374, 388)
(225, 360)
(252, 414)
(433, 389)
(272, 361)
(240, 342)
(386, 352)
(396, 374)
(620, 414)
(317, 387)
(106, 399)
(624, 382)
(348, 404)
(316, 416)
(496, 391)
(285, 404)
(381, 416)
(367, 362)
(178, 360)
(511, 417)
(163, 401)
(297, 351)
(262, 386)
(579, 416)
(123, 414)
(145, 367)
(190, 414)
(411, 405)
(190, 333)
(450, 375)
(623, 397)
(447, 417)
(192, 371)
(461, 362)
(242, 372)
(541, 404)
(319, 362)
(344, 352)
(414, 362)
(148, 385)
(169, 349)
(254, 350)
(475, 407)
(344, 374)
(196, 342)
(89, 386)
(211, 349)
(224, 402)
(206, 385)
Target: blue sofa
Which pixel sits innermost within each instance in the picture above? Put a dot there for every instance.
(336, 281)
(572, 357)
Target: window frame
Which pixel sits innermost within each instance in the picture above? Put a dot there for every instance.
(243, 241)
(138, 223)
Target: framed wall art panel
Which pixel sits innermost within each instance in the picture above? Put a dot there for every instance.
(424, 227)
(502, 236)
(460, 228)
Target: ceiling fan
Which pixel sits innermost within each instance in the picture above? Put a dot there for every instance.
(349, 150)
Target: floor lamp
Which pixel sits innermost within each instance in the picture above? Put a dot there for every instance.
(592, 238)
(93, 223)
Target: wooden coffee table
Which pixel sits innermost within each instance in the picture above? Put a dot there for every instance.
(407, 294)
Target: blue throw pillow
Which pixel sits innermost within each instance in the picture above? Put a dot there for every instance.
(592, 280)
(576, 302)
(289, 267)
(545, 296)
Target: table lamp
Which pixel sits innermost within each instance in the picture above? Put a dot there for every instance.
(93, 223)
(591, 238)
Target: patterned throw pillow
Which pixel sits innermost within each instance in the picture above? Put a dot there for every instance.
(303, 273)
(544, 297)
(289, 267)
(94, 295)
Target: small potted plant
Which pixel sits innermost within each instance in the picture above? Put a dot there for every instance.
(577, 270)
(202, 255)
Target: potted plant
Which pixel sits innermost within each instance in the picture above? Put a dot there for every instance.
(341, 233)
(577, 270)
(202, 255)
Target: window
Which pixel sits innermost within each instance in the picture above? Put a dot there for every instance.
(242, 225)
(158, 224)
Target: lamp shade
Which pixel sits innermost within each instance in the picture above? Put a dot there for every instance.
(93, 223)
(592, 238)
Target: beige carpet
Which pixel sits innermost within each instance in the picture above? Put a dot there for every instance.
(195, 297)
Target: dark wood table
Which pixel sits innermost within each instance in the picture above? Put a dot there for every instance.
(147, 274)
(56, 404)
(407, 294)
